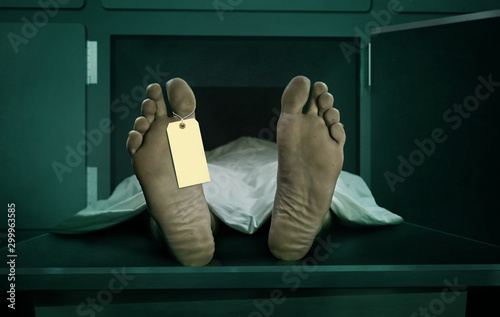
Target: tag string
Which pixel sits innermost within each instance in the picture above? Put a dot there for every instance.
(182, 118)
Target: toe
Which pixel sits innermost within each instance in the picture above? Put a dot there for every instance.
(319, 89)
(325, 102)
(134, 141)
(295, 95)
(337, 133)
(154, 92)
(141, 125)
(331, 116)
(148, 109)
(180, 96)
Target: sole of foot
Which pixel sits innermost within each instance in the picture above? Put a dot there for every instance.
(181, 214)
(310, 159)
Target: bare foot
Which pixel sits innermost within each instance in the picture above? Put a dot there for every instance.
(310, 158)
(182, 214)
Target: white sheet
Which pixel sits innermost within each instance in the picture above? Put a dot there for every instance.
(241, 193)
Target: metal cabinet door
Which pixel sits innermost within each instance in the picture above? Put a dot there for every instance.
(42, 115)
(435, 104)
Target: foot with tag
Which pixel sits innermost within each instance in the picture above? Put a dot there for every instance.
(169, 162)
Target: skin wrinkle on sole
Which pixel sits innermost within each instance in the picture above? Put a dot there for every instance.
(310, 156)
(182, 215)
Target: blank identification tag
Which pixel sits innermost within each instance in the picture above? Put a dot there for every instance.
(188, 154)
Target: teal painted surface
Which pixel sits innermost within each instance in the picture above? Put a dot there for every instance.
(224, 5)
(52, 4)
(406, 267)
(396, 256)
(42, 104)
(276, 303)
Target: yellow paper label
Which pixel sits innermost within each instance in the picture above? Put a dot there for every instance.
(188, 154)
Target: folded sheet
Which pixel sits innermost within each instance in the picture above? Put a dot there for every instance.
(241, 193)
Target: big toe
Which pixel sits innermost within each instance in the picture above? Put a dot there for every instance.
(180, 96)
(295, 95)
